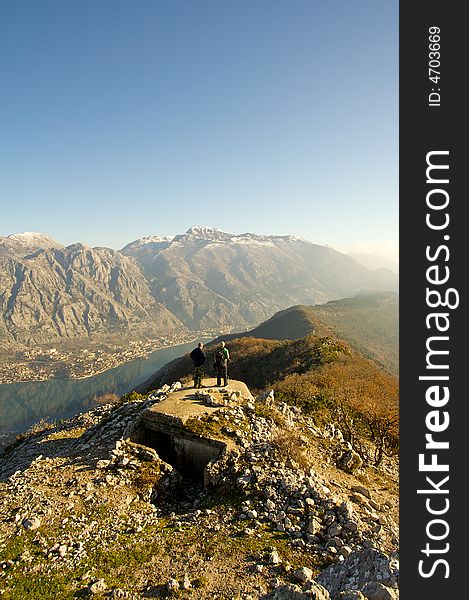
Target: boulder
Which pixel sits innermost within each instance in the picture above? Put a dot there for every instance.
(361, 489)
(98, 587)
(374, 590)
(303, 574)
(350, 461)
(293, 592)
(172, 585)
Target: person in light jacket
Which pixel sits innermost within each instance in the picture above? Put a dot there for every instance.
(222, 357)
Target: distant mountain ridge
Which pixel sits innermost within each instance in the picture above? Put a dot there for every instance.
(375, 261)
(202, 279)
(208, 277)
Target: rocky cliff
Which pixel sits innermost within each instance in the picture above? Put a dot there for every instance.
(65, 293)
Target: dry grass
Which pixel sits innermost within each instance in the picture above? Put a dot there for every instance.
(108, 398)
(290, 445)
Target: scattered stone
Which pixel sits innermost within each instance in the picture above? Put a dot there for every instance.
(335, 529)
(172, 585)
(350, 461)
(314, 526)
(359, 569)
(32, 523)
(361, 489)
(313, 511)
(274, 558)
(345, 551)
(293, 592)
(98, 587)
(352, 595)
(303, 574)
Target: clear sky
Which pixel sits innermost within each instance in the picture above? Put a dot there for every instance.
(120, 119)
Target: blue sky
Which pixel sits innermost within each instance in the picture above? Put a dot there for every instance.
(121, 119)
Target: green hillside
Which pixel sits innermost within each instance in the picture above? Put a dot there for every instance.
(368, 322)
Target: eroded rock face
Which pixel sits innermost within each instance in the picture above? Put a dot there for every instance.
(157, 284)
(77, 292)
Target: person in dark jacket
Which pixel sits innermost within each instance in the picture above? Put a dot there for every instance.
(199, 357)
(222, 356)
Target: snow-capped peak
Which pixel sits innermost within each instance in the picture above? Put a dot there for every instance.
(32, 239)
(154, 239)
(28, 236)
(203, 231)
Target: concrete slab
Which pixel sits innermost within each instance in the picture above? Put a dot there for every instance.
(188, 402)
(161, 426)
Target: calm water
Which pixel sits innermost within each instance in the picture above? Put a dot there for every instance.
(22, 404)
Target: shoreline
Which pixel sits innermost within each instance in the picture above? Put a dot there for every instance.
(83, 377)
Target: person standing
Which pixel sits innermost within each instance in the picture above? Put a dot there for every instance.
(199, 357)
(222, 356)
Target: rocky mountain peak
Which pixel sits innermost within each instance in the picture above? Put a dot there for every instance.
(205, 233)
(26, 242)
(203, 230)
(28, 237)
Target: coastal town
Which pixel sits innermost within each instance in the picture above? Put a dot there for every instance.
(76, 362)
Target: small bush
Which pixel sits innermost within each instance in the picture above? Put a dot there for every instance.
(290, 445)
(268, 412)
(132, 397)
(108, 398)
(42, 425)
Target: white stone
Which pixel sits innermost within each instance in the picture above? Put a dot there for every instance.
(32, 523)
(303, 574)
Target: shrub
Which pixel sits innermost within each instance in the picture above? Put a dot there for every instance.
(108, 398)
(42, 425)
(289, 445)
(132, 397)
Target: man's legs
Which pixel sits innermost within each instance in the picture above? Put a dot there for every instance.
(225, 376)
(198, 375)
(201, 376)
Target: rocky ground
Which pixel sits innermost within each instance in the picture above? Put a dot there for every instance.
(84, 511)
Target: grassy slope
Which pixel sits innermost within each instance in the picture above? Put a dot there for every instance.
(368, 322)
(313, 372)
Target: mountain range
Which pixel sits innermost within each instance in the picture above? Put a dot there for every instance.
(202, 279)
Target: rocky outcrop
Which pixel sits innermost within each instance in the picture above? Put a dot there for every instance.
(82, 487)
(368, 571)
